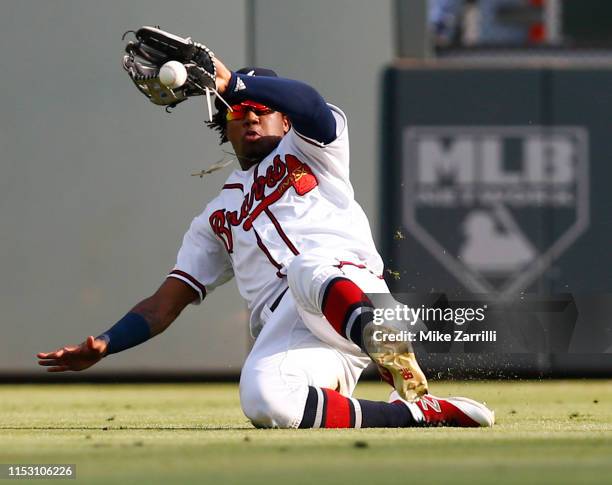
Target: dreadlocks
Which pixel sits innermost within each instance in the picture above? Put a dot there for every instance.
(219, 124)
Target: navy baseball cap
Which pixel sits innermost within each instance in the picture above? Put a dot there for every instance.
(249, 71)
(257, 71)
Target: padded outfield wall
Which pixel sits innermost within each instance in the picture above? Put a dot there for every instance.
(496, 182)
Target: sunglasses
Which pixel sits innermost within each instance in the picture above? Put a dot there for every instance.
(239, 111)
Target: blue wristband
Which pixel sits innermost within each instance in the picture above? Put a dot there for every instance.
(128, 332)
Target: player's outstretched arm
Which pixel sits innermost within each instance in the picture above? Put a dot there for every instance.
(148, 318)
(310, 115)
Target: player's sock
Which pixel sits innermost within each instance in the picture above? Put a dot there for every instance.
(326, 408)
(347, 308)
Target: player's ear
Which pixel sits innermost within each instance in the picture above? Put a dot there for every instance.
(286, 124)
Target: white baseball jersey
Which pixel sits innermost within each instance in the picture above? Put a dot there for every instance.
(296, 199)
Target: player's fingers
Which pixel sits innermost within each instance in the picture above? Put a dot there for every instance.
(60, 368)
(49, 355)
(49, 363)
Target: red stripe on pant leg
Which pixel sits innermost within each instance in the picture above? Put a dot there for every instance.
(338, 413)
(341, 296)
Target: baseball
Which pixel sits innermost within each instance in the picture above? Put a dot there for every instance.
(173, 74)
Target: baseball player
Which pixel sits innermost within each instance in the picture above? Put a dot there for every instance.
(287, 227)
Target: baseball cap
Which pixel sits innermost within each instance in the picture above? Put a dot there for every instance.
(249, 71)
(257, 71)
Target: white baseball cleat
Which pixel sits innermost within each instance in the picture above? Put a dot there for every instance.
(451, 411)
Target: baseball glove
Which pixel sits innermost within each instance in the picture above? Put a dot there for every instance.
(152, 49)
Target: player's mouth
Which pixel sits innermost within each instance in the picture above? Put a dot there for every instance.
(251, 136)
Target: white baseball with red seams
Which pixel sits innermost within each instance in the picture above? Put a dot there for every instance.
(295, 201)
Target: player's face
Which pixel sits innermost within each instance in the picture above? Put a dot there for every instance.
(255, 134)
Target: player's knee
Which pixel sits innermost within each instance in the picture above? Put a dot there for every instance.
(267, 408)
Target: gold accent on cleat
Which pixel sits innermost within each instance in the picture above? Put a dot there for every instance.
(408, 378)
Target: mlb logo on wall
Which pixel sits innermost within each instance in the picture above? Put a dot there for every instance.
(495, 205)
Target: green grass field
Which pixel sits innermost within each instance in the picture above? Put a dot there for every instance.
(547, 432)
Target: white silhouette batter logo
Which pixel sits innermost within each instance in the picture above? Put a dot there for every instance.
(494, 244)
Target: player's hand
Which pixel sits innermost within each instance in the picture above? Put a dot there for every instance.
(223, 76)
(74, 357)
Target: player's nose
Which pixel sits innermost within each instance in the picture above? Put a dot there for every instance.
(250, 118)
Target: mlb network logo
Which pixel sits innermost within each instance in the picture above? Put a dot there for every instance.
(496, 205)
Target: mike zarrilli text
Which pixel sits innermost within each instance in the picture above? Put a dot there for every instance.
(435, 336)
